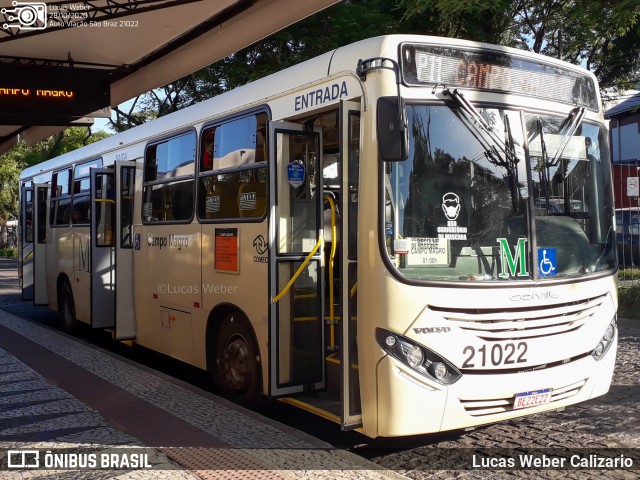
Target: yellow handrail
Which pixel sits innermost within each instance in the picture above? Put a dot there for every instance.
(332, 206)
(298, 272)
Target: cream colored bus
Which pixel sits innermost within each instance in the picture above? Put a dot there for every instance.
(405, 235)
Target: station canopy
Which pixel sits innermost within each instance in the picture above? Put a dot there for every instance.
(64, 61)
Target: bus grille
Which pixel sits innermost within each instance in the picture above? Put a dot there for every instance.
(523, 323)
(480, 408)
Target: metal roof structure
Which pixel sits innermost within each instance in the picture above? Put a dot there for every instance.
(630, 105)
(143, 44)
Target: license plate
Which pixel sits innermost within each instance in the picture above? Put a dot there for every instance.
(532, 399)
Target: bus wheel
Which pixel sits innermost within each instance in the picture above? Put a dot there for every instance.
(237, 361)
(67, 309)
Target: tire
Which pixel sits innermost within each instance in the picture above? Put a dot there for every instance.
(67, 309)
(238, 372)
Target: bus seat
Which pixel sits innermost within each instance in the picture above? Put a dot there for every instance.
(252, 206)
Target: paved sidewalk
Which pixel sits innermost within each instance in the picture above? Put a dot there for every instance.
(57, 392)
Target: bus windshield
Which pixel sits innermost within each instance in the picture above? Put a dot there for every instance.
(522, 198)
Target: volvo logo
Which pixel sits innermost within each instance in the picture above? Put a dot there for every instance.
(524, 297)
(432, 330)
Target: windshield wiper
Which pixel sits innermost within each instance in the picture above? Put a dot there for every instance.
(545, 165)
(571, 124)
(491, 141)
(506, 145)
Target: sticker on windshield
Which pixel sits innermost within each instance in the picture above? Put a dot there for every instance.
(513, 264)
(427, 251)
(547, 263)
(401, 246)
(451, 208)
(451, 205)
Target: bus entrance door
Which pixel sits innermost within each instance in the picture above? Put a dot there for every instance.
(103, 211)
(351, 414)
(26, 244)
(125, 307)
(296, 261)
(112, 196)
(40, 295)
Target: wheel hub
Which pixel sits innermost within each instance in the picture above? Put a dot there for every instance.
(237, 365)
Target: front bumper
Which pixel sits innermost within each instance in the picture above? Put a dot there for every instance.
(410, 404)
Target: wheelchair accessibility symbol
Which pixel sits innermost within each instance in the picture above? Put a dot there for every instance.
(547, 263)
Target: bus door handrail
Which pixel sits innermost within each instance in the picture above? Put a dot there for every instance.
(287, 287)
(332, 255)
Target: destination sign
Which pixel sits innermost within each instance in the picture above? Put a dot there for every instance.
(497, 71)
(43, 95)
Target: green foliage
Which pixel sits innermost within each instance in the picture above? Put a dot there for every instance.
(341, 24)
(629, 274)
(629, 293)
(629, 301)
(22, 156)
(10, 169)
(476, 20)
(602, 35)
(8, 252)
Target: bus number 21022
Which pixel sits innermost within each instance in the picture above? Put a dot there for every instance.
(497, 355)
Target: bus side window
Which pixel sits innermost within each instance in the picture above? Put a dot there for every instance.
(233, 174)
(182, 200)
(60, 203)
(168, 180)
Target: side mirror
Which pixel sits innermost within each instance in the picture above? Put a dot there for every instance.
(393, 138)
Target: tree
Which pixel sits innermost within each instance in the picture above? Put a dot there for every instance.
(600, 35)
(339, 25)
(476, 20)
(22, 156)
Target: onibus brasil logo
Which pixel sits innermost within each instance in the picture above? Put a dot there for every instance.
(25, 16)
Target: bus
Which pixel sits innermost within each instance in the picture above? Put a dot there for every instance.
(405, 235)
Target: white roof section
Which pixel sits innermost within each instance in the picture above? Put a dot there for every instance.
(146, 43)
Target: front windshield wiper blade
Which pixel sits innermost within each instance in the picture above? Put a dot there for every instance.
(545, 164)
(477, 119)
(499, 151)
(572, 122)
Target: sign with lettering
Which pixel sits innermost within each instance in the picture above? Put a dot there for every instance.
(43, 95)
(226, 250)
(427, 252)
(296, 174)
(321, 96)
(498, 71)
(632, 187)
(513, 264)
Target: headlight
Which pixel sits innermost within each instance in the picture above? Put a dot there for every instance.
(413, 354)
(420, 358)
(606, 340)
(609, 332)
(439, 370)
(598, 350)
